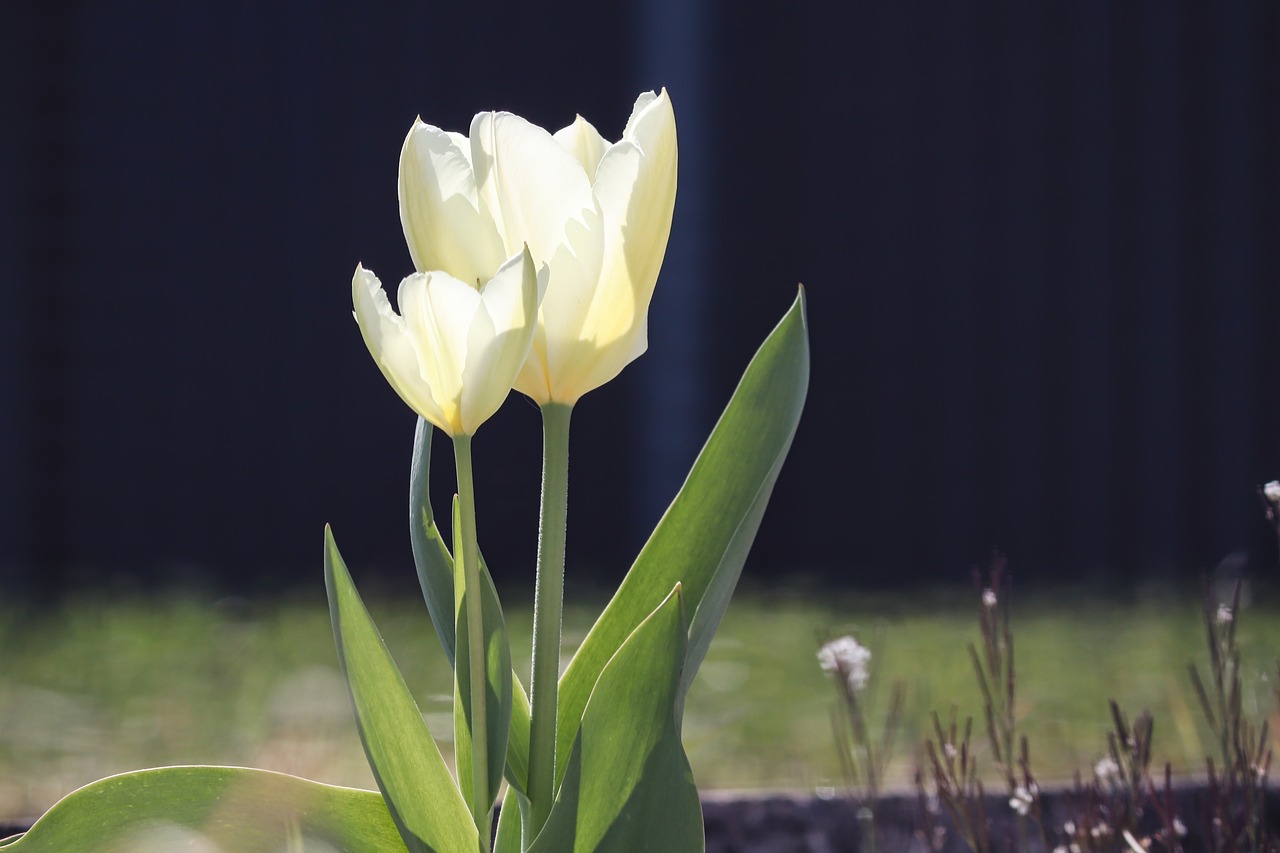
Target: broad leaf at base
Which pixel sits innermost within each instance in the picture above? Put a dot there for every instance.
(628, 787)
(424, 801)
(232, 809)
(703, 538)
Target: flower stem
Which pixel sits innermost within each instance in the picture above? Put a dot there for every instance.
(548, 604)
(468, 551)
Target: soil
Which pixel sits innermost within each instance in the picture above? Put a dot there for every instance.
(802, 824)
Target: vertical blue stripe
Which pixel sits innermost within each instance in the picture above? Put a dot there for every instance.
(672, 50)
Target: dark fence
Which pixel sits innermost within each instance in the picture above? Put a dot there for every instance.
(1039, 242)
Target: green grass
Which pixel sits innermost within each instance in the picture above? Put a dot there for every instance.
(100, 685)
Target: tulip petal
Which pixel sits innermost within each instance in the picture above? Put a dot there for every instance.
(635, 188)
(532, 185)
(643, 100)
(559, 349)
(618, 189)
(438, 311)
(446, 224)
(585, 143)
(499, 339)
(639, 198)
(389, 342)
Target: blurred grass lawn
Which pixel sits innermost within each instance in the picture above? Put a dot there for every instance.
(104, 684)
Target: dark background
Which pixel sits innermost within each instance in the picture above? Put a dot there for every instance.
(1039, 242)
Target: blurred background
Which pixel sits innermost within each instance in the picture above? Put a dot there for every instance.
(1040, 244)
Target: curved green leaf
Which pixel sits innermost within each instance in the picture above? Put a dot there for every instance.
(435, 575)
(233, 809)
(628, 784)
(703, 538)
(425, 804)
(430, 556)
(509, 837)
(517, 773)
(497, 658)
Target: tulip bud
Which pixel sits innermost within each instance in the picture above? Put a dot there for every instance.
(454, 350)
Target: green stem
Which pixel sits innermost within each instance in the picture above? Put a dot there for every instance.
(468, 551)
(548, 604)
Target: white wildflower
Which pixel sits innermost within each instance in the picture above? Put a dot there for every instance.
(989, 598)
(1272, 492)
(950, 750)
(1106, 769)
(1179, 827)
(1069, 827)
(1021, 800)
(846, 657)
(1224, 614)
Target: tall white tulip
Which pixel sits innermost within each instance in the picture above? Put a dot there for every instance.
(455, 348)
(598, 213)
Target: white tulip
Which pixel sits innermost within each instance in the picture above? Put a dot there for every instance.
(598, 213)
(453, 351)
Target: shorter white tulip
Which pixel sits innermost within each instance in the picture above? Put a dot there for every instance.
(454, 350)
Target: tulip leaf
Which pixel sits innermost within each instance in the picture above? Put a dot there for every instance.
(424, 802)
(703, 538)
(628, 785)
(215, 808)
(435, 575)
(517, 772)
(497, 658)
(430, 556)
(509, 837)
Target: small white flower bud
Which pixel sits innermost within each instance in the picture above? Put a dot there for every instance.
(845, 656)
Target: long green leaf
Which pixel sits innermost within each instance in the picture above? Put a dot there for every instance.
(430, 556)
(234, 808)
(497, 658)
(509, 837)
(703, 538)
(425, 804)
(435, 574)
(629, 786)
